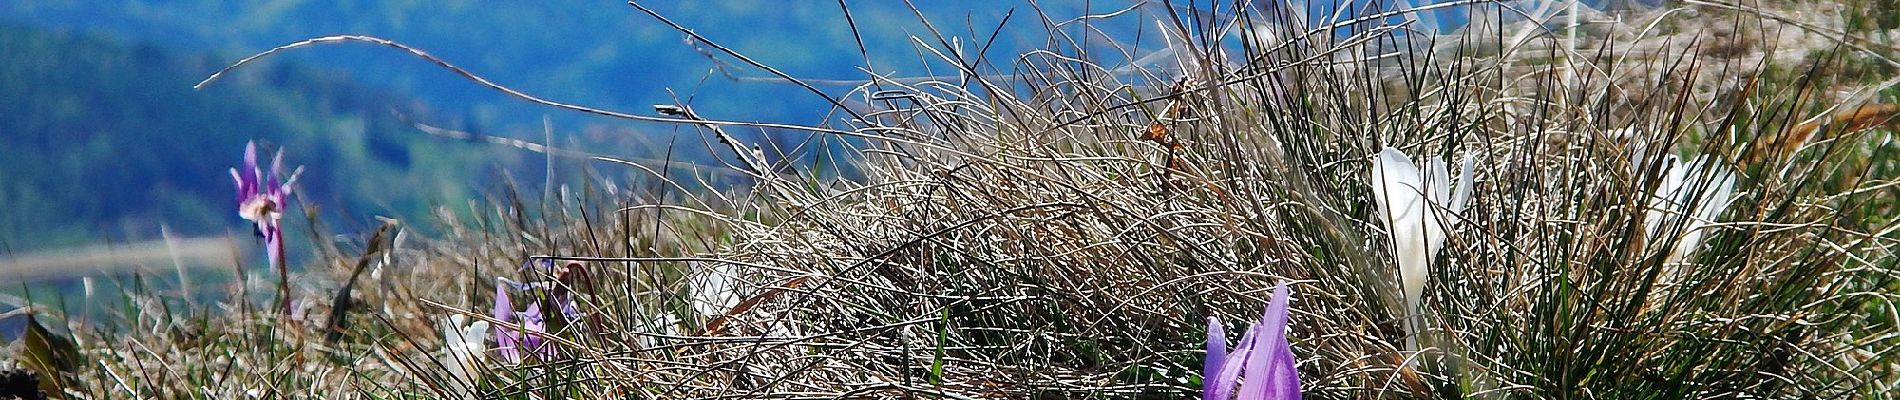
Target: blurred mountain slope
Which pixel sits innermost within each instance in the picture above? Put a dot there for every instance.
(107, 140)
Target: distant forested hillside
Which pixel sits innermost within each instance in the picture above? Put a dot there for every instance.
(600, 53)
(106, 139)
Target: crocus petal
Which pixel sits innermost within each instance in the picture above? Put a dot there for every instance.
(665, 324)
(1690, 197)
(1399, 190)
(1634, 140)
(283, 191)
(1462, 196)
(1282, 379)
(1275, 318)
(451, 329)
(569, 308)
(243, 189)
(252, 175)
(1719, 192)
(1662, 201)
(533, 325)
(504, 309)
(1216, 355)
(507, 340)
(532, 319)
(245, 176)
(276, 166)
(1397, 187)
(508, 345)
(1231, 367)
(1270, 370)
(476, 337)
(461, 353)
(1445, 206)
(1437, 177)
(1438, 193)
(270, 181)
(250, 162)
(1256, 366)
(1654, 217)
(537, 266)
(713, 293)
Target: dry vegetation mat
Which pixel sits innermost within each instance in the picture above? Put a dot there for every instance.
(1695, 200)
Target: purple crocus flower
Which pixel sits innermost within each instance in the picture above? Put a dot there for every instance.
(510, 339)
(260, 199)
(561, 289)
(533, 325)
(1263, 357)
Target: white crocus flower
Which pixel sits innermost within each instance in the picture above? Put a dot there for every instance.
(713, 291)
(462, 349)
(1418, 207)
(664, 324)
(1636, 141)
(1687, 200)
